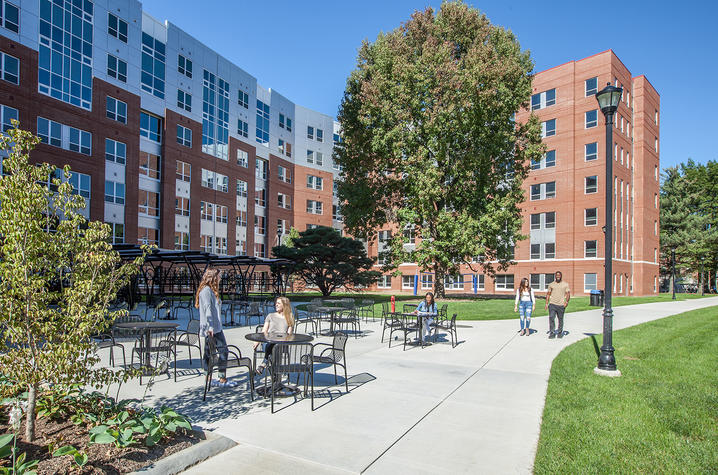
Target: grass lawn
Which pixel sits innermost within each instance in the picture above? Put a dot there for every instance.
(492, 309)
(661, 416)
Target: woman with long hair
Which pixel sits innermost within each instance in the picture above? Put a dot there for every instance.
(524, 304)
(210, 324)
(426, 310)
(279, 321)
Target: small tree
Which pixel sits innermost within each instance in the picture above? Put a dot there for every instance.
(329, 261)
(58, 275)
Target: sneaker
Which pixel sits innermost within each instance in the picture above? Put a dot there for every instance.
(552, 335)
(560, 335)
(528, 332)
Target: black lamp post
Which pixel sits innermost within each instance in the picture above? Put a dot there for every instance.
(608, 99)
(673, 271)
(279, 235)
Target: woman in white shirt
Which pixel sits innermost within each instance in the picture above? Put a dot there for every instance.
(524, 304)
(279, 321)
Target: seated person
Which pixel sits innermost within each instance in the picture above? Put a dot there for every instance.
(279, 321)
(427, 309)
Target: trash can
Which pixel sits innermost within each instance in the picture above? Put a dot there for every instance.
(596, 298)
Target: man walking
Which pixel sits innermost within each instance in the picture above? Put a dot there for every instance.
(556, 301)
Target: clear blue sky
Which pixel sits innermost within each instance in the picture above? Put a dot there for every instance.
(306, 49)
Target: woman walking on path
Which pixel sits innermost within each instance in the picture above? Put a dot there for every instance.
(210, 324)
(524, 304)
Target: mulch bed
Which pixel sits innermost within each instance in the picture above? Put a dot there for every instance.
(102, 458)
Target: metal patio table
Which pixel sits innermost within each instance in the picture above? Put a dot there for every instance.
(276, 338)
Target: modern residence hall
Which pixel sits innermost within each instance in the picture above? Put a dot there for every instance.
(174, 145)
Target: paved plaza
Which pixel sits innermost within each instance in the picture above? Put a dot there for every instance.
(475, 408)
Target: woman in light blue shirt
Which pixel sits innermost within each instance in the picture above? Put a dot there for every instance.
(426, 310)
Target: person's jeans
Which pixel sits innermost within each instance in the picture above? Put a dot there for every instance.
(525, 308)
(555, 311)
(426, 326)
(221, 343)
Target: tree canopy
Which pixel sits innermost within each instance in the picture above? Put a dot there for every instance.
(328, 261)
(429, 141)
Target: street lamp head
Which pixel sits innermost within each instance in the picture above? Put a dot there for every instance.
(608, 98)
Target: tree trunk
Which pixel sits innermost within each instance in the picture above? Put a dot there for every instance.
(30, 416)
(439, 273)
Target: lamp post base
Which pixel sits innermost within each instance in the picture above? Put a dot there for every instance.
(606, 372)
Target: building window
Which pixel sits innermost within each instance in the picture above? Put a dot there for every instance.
(384, 282)
(150, 127)
(149, 203)
(259, 250)
(114, 192)
(655, 201)
(655, 228)
(315, 182)
(310, 132)
(243, 99)
(407, 281)
(116, 68)
(589, 282)
(504, 281)
(541, 281)
(591, 86)
(115, 151)
(591, 151)
(535, 251)
(10, 68)
(337, 213)
(314, 207)
(117, 27)
(453, 282)
(591, 184)
(65, 50)
(320, 135)
(181, 241)
(150, 165)
(337, 166)
(184, 136)
(57, 134)
(591, 118)
(152, 79)
(10, 16)
(590, 249)
(184, 66)
(241, 218)
(284, 174)
(8, 113)
(242, 188)
(215, 181)
(260, 197)
(215, 115)
(117, 232)
(206, 211)
(543, 99)
(655, 117)
(242, 158)
(262, 134)
(655, 144)
(310, 156)
(547, 161)
(543, 191)
(261, 167)
(242, 128)
(80, 184)
(259, 225)
(116, 110)
(284, 201)
(148, 236)
(205, 242)
(222, 213)
(548, 128)
(182, 206)
(549, 250)
(184, 171)
(591, 216)
(184, 100)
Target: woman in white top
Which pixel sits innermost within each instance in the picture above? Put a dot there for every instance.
(524, 304)
(279, 321)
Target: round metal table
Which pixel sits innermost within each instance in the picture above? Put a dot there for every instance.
(147, 328)
(276, 338)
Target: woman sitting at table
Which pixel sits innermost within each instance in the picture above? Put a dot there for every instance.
(279, 321)
(427, 309)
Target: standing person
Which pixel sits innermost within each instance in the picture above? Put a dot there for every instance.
(210, 324)
(426, 309)
(524, 304)
(556, 301)
(279, 321)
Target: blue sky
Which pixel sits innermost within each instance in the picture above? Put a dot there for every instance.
(306, 49)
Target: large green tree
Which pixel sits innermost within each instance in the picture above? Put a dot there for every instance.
(328, 261)
(429, 141)
(58, 275)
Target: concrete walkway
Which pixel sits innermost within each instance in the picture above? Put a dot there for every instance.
(476, 408)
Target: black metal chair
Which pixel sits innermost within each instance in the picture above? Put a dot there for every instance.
(405, 325)
(234, 360)
(259, 350)
(345, 318)
(305, 317)
(291, 359)
(107, 340)
(190, 339)
(367, 309)
(388, 320)
(333, 354)
(409, 307)
(449, 326)
(162, 342)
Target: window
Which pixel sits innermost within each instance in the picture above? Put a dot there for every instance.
(337, 166)
(591, 184)
(182, 206)
(479, 281)
(215, 115)
(242, 188)
(116, 110)
(261, 167)
(242, 128)
(259, 250)
(453, 282)
(409, 234)
(288, 149)
(384, 282)
(549, 250)
(282, 121)
(10, 68)
(148, 236)
(184, 100)
(10, 16)
(80, 141)
(655, 144)
(335, 189)
(65, 50)
(547, 161)
(284, 201)
(543, 99)
(591, 216)
(222, 213)
(543, 191)
(215, 181)
(8, 113)
(591, 86)
(548, 128)
(184, 171)
(259, 225)
(541, 281)
(115, 151)
(655, 228)
(284, 174)
(407, 281)
(57, 134)
(149, 203)
(243, 99)
(655, 117)
(241, 218)
(205, 242)
(535, 251)
(117, 27)
(310, 132)
(181, 241)
(315, 182)
(260, 197)
(383, 250)
(504, 281)
(184, 66)
(591, 118)
(150, 165)
(50, 132)
(80, 184)
(314, 207)
(150, 127)
(184, 136)
(152, 79)
(318, 158)
(591, 151)
(118, 232)
(242, 158)
(590, 248)
(310, 156)
(427, 281)
(550, 220)
(114, 192)
(116, 68)
(262, 135)
(337, 213)
(655, 200)
(206, 211)
(536, 221)
(589, 282)
(320, 135)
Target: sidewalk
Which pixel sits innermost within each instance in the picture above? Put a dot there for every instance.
(473, 409)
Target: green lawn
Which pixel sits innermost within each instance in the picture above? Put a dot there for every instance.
(661, 416)
(493, 309)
